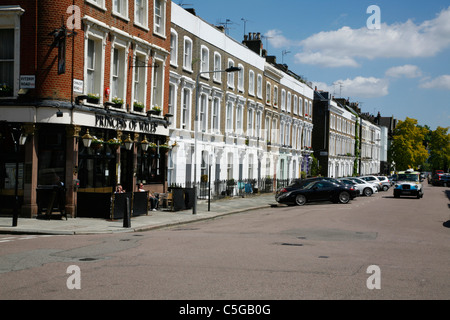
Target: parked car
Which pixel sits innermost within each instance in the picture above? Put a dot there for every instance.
(392, 179)
(441, 179)
(408, 184)
(320, 190)
(300, 183)
(372, 179)
(385, 183)
(366, 188)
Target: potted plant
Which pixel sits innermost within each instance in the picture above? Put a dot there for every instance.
(152, 147)
(97, 143)
(164, 148)
(93, 98)
(114, 143)
(118, 102)
(138, 106)
(156, 110)
(5, 90)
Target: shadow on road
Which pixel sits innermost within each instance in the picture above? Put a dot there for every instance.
(446, 224)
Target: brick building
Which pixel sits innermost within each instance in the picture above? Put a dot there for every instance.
(75, 67)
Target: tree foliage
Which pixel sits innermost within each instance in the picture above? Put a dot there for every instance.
(439, 147)
(408, 149)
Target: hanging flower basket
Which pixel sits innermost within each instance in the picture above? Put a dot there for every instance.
(114, 143)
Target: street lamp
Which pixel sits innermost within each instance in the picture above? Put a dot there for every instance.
(228, 70)
(19, 139)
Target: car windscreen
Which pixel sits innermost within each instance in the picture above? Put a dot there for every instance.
(408, 177)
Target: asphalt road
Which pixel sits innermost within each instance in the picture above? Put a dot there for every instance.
(373, 248)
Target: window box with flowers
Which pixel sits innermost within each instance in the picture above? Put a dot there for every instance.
(118, 102)
(5, 90)
(93, 98)
(156, 110)
(138, 106)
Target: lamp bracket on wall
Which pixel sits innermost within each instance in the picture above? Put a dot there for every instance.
(133, 64)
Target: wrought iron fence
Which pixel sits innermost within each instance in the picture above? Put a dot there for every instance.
(219, 189)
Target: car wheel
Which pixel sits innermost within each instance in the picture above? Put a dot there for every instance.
(300, 200)
(368, 192)
(344, 197)
(385, 188)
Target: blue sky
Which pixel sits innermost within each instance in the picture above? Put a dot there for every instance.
(401, 69)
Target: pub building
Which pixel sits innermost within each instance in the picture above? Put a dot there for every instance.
(84, 111)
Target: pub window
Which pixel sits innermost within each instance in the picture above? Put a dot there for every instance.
(151, 164)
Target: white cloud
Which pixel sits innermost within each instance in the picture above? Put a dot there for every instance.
(442, 82)
(408, 71)
(277, 39)
(342, 47)
(360, 87)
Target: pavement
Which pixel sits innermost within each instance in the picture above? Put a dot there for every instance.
(153, 220)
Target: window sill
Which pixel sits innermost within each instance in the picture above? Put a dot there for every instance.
(143, 27)
(95, 4)
(120, 16)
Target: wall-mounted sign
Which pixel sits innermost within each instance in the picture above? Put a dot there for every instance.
(27, 82)
(78, 86)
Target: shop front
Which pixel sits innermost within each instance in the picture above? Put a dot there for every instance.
(85, 151)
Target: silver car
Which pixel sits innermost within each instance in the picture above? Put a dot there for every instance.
(385, 183)
(372, 179)
(364, 187)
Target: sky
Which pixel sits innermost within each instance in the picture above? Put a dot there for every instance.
(393, 58)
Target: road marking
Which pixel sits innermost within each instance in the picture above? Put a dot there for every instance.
(26, 237)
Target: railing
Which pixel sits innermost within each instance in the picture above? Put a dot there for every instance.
(219, 189)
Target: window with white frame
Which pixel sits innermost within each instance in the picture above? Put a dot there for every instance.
(250, 116)
(141, 13)
(7, 72)
(251, 82)
(267, 129)
(295, 104)
(300, 106)
(215, 121)
(172, 102)
(203, 112)
(268, 92)
(282, 133)
(289, 102)
(310, 110)
(251, 166)
(241, 78)
(229, 117)
(259, 84)
(230, 75)
(274, 131)
(118, 73)
(283, 100)
(239, 118)
(306, 108)
(204, 63)
(120, 8)
(217, 67)
(174, 48)
(139, 82)
(94, 67)
(186, 109)
(159, 21)
(187, 54)
(258, 124)
(287, 140)
(158, 83)
(299, 138)
(98, 3)
(230, 166)
(275, 96)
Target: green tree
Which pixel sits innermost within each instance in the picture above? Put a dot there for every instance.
(439, 147)
(407, 149)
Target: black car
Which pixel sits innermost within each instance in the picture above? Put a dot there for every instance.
(321, 190)
(300, 183)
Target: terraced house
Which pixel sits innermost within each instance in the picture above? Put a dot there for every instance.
(254, 123)
(77, 69)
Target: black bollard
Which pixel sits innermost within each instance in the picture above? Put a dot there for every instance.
(127, 214)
